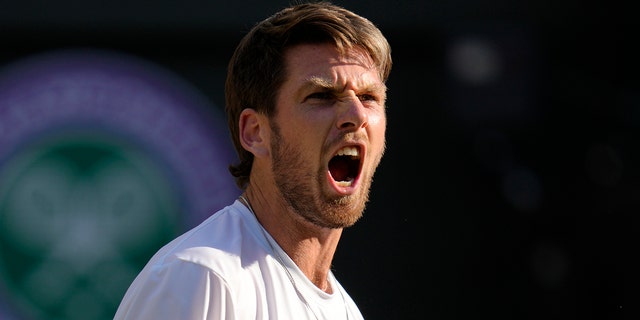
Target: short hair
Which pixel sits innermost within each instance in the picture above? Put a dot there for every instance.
(256, 70)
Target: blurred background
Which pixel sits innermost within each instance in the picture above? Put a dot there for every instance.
(507, 190)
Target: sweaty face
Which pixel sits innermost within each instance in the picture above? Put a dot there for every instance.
(328, 134)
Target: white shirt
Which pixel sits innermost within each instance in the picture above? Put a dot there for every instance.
(224, 268)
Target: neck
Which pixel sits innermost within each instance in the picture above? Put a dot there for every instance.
(310, 247)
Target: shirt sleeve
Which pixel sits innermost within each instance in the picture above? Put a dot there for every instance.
(177, 290)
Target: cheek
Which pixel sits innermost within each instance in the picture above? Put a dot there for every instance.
(304, 137)
(377, 116)
(377, 126)
(311, 127)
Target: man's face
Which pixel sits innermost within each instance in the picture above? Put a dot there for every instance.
(328, 133)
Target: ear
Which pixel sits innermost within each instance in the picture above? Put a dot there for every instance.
(254, 133)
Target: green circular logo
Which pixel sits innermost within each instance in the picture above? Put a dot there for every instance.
(77, 218)
(104, 158)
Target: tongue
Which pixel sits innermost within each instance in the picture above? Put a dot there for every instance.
(338, 170)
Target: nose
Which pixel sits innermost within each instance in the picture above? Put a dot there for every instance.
(352, 114)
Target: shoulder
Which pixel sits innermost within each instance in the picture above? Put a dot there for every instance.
(220, 257)
(220, 243)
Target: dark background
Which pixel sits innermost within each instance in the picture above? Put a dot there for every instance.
(509, 197)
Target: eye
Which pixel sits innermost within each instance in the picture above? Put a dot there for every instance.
(321, 95)
(371, 100)
(367, 97)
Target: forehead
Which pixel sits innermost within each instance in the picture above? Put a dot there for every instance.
(325, 60)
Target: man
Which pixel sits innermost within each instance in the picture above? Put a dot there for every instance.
(306, 99)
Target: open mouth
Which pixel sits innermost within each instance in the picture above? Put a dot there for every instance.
(345, 165)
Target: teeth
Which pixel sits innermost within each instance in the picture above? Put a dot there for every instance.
(344, 183)
(348, 151)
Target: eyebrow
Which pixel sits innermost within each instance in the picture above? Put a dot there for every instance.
(318, 82)
(324, 83)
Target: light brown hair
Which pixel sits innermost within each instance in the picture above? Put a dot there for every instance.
(257, 68)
